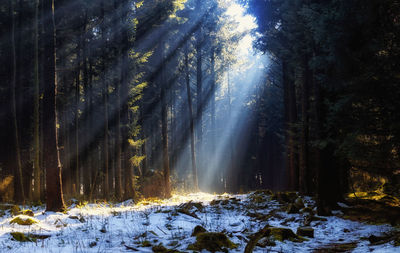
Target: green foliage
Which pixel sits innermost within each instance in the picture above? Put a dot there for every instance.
(136, 160)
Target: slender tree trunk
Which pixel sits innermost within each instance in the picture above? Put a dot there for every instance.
(118, 84)
(164, 128)
(54, 201)
(18, 164)
(76, 165)
(124, 94)
(92, 162)
(213, 90)
(192, 137)
(230, 172)
(320, 174)
(87, 173)
(290, 120)
(304, 173)
(106, 190)
(36, 115)
(199, 113)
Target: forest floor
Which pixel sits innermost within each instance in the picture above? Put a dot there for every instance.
(256, 222)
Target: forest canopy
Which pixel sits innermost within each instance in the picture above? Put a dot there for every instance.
(128, 99)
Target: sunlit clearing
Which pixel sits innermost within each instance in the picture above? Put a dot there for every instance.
(177, 199)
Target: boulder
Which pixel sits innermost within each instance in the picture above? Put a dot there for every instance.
(305, 231)
(212, 242)
(198, 229)
(292, 208)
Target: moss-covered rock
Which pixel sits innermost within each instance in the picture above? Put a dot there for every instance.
(268, 235)
(292, 209)
(299, 203)
(146, 244)
(307, 209)
(161, 249)
(266, 241)
(198, 229)
(338, 247)
(190, 205)
(27, 212)
(15, 210)
(212, 242)
(257, 199)
(282, 234)
(285, 197)
(23, 221)
(305, 231)
(21, 237)
(263, 192)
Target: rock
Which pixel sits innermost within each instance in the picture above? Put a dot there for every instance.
(282, 234)
(265, 241)
(21, 237)
(198, 229)
(292, 209)
(190, 205)
(316, 218)
(308, 210)
(23, 221)
(212, 242)
(161, 249)
(15, 210)
(285, 197)
(27, 212)
(305, 231)
(299, 203)
(146, 244)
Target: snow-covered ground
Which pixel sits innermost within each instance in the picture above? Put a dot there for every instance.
(127, 228)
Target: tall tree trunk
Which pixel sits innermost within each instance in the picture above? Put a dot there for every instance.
(230, 172)
(321, 193)
(118, 83)
(76, 165)
(105, 105)
(36, 115)
(199, 113)
(219, 174)
(290, 120)
(192, 137)
(87, 173)
(54, 200)
(304, 171)
(164, 127)
(124, 94)
(18, 164)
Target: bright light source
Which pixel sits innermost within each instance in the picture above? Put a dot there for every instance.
(245, 22)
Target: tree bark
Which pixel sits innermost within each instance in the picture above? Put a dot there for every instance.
(36, 115)
(105, 106)
(304, 173)
(191, 120)
(199, 110)
(118, 83)
(54, 201)
(18, 164)
(164, 128)
(290, 120)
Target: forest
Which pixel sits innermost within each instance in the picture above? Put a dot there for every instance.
(199, 126)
